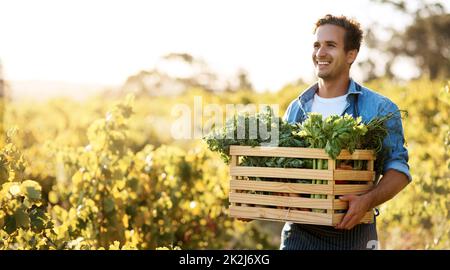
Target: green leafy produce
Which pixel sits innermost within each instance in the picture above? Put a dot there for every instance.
(220, 140)
(334, 134)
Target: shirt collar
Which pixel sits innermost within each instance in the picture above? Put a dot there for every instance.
(308, 94)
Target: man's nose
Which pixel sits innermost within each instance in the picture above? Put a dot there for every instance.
(320, 52)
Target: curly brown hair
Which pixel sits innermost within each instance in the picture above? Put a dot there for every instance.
(353, 32)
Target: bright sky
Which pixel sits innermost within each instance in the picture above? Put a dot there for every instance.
(103, 42)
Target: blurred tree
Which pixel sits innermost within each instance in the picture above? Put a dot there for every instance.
(244, 82)
(426, 40)
(200, 75)
(240, 82)
(163, 81)
(368, 66)
(154, 83)
(178, 72)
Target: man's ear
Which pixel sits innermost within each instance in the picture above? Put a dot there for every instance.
(351, 56)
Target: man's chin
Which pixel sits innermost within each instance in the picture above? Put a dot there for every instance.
(322, 75)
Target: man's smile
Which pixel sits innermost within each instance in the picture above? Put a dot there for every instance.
(322, 64)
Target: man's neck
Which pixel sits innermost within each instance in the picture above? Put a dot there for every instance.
(333, 88)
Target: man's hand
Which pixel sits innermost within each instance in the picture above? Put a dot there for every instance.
(357, 208)
(390, 184)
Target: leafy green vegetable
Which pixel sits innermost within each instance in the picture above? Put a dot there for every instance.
(334, 133)
(219, 140)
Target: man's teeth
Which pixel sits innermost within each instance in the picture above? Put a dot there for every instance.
(323, 63)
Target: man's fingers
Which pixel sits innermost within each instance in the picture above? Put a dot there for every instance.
(351, 223)
(347, 198)
(345, 220)
(349, 215)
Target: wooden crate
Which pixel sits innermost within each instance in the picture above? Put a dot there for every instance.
(245, 202)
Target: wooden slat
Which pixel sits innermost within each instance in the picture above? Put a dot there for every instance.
(286, 201)
(368, 218)
(292, 152)
(280, 215)
(351, 189)
(353, 175)
(281, 173)
(331, 167)
(370, 167)
(297, 152)
(280, 187)
(357, 155)
(233, 163)
(331, 164)
(340, 205)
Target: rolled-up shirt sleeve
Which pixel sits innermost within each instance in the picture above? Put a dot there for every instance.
(394, 143)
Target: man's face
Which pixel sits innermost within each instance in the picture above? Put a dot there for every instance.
(329, 57)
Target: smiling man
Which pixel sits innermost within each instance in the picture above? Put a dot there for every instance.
(336, 46)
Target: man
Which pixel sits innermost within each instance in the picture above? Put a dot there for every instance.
(336, 46)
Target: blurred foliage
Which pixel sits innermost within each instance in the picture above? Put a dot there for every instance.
(108, 175)
(426, 40)
(159, 81)
(419, 217)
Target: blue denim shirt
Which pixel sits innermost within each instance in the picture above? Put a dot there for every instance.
(370, 104)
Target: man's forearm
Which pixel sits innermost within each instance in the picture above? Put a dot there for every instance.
(390, 184)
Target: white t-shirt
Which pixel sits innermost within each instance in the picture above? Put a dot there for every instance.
(329, 106)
